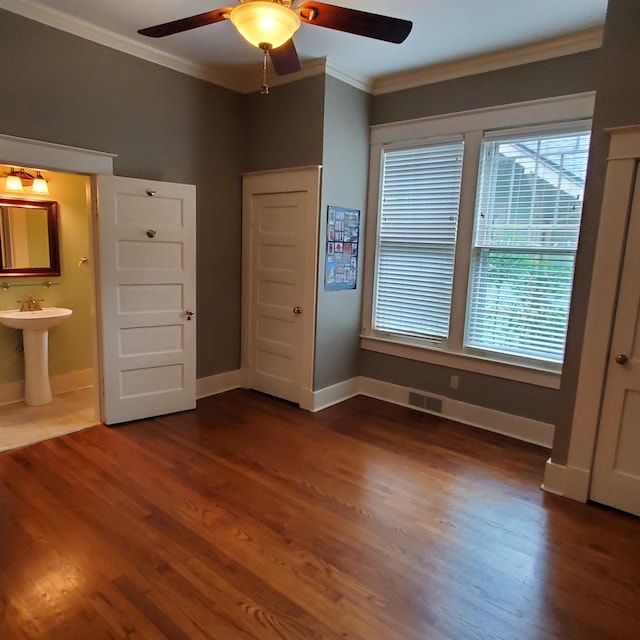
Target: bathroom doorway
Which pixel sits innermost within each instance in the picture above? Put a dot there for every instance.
(152, 316)
(72, 344)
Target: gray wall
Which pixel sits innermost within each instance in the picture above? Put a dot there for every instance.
(163, 125)
(617, 104)
(560, 76)
(167, 126)
(556, 77)
(285, 128)
(344, 184)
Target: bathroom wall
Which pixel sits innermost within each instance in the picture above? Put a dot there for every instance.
(71, 344)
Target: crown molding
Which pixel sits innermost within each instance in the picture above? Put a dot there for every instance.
(226, 79)
(553, 48)
(359, 82)
(564, 45)
(82, 29)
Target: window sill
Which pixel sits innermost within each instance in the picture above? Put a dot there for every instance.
(433, 354)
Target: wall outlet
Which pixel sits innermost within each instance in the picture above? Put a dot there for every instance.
(454, 383)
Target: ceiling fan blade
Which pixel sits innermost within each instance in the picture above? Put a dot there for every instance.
(370, 25)
(184, 24)
(285, 59)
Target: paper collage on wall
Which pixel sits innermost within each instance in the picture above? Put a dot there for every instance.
(343, 230)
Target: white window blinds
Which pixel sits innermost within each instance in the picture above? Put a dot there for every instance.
(420, 196)
(527, 221)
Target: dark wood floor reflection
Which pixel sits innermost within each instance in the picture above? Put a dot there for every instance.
(251, 519)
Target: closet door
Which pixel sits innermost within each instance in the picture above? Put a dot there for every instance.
(280, 232)
(147, 280)
(616, 471)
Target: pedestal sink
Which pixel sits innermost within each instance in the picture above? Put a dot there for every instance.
(35, 327)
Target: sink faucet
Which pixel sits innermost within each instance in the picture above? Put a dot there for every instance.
(30, 304)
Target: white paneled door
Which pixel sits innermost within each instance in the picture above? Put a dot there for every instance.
(616, 471)
(280, 227)
(147, 280)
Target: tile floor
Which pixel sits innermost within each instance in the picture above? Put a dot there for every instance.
(21, 425)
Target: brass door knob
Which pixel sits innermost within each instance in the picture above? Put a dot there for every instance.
(621, 358)
(297, 310)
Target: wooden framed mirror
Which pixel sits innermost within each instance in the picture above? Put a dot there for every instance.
(29, 244)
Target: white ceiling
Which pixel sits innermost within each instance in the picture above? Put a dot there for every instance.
(443, 31)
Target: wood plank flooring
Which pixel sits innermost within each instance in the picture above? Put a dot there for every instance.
(249, 519)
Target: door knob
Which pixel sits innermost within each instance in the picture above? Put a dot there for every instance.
(188, 313)
(151, 233)
(297, 310)
(621, 358)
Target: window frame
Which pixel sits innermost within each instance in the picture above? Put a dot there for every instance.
(553, 114)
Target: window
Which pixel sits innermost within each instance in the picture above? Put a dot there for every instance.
(476, 231)
(527, 221)
(417, 239)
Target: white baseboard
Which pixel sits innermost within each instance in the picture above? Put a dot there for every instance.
(219, 383)
(554, 478)
(13, 392)
(73, 381)
(336, 393)
(508, 424)
(563, 480)
(525, 429)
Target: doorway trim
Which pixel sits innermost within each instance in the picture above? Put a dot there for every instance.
(64, 159)
(573, 479)
(56, 157)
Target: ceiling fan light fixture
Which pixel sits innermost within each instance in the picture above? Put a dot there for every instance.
(261, 22)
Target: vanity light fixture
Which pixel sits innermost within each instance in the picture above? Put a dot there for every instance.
(17, 180)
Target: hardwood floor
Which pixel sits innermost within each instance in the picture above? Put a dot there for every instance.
(251, 519)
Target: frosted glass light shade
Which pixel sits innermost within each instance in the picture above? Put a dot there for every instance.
(40, 185)
(14, 183)
(264, 22)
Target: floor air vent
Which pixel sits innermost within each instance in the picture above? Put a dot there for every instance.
(425, 402)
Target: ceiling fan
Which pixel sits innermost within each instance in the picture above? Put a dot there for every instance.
(270, 25)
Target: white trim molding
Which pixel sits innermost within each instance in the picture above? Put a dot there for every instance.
(56, 157)
(624, 150)
(336, 393)
(13, 392)
(577, 42)
(87, 31)
(555, 47)
(518, 427)
(570, 482)
(569, 108)
(219, 383)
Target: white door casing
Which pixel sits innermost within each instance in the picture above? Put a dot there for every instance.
(280, 235)
(573, 477)
(147, 295)
(616, 472)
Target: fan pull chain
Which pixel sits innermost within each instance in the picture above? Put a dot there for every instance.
(264, 89)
